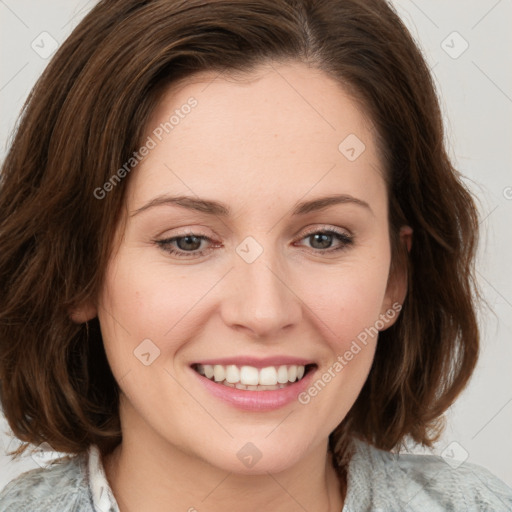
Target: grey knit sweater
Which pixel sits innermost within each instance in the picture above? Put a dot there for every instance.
(378, 481)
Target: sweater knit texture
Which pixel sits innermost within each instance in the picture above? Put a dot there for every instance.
(378, 481)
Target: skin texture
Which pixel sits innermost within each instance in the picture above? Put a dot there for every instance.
(259, 145)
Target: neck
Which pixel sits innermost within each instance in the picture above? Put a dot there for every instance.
(154, 476)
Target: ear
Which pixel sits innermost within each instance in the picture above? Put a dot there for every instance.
(396, 290)
(83, 313)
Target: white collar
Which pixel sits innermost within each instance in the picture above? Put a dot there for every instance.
(102, 496)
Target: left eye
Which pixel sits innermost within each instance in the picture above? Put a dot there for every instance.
(187, 246)
(325, 239)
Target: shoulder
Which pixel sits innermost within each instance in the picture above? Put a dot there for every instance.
(62, 487)
(423, 482)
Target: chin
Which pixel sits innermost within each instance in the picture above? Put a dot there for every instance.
(256, 458)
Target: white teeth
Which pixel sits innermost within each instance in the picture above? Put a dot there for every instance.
(249, 377)
(219, 374)
(282, 375)
(254, 388)
(268, 376)
(232, 374)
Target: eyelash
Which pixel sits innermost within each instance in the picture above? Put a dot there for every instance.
(346, 241)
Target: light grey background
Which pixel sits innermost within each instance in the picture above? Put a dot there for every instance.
(475, 86)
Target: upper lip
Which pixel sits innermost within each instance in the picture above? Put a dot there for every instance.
(256, 361)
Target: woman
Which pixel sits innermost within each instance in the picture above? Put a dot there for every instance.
(237, 265)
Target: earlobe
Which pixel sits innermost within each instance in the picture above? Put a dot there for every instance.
(83, 313)
(398, 280)
(406, 236)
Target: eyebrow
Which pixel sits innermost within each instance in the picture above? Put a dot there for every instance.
(217, 208)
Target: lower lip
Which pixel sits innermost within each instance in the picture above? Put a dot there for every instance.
(257, 400)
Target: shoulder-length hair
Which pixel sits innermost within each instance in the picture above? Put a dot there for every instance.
(86, 116)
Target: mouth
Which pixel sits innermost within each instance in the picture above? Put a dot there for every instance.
(252, 378)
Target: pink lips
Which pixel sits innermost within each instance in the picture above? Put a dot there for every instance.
(257, 401)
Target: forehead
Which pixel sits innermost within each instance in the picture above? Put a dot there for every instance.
(283, 129)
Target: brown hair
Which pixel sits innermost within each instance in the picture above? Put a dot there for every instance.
(86, 116)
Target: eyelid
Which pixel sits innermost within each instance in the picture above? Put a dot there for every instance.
(326, 227)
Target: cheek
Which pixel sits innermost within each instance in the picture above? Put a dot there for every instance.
(346, 311)
(348, 329)
(348, 300)
(141, 301)
(132, 291)
(346, 326)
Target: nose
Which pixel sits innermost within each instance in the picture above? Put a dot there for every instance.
(261, 299)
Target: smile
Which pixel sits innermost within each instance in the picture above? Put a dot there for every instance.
(250, 378)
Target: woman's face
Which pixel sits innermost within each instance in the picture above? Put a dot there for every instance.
(234, 274)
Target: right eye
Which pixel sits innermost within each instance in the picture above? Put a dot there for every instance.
(185, 246)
